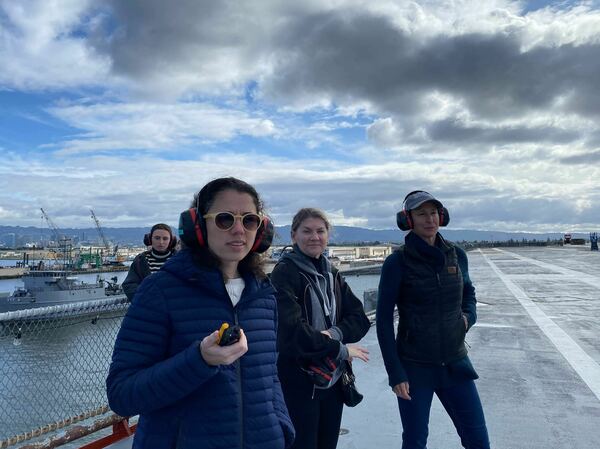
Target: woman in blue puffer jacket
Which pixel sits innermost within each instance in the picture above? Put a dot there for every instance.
(168, 366)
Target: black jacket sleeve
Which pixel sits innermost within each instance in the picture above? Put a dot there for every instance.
(135, 276)
(353, 323)
(296, 338)
(389, 289)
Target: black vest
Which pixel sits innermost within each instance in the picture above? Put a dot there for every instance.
(431, 328)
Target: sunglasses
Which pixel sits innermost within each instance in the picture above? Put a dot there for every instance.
(225, 220)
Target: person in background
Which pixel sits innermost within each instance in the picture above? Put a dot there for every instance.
(318, 316)
(162, 242)
(169, 363)
(428, 281)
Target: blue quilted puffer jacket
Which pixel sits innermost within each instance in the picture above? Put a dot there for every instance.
(157, 370)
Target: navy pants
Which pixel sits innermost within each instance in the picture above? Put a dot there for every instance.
(462, 404)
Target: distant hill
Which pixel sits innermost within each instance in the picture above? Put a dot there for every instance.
(350, 234)
(341, 235)
(121, 236)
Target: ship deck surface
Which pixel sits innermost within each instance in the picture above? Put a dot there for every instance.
(535, 347)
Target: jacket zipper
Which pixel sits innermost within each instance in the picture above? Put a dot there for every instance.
(440, 319)
(304, 301)
(238, 368)
(179, 431)
(338, 302)
(314, 388)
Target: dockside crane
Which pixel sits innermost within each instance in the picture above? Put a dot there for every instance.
(52, 226)
(63, 244)
(101, 233)
(111, 255)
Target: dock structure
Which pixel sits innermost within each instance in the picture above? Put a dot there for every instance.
(371, 268)
(12, 272)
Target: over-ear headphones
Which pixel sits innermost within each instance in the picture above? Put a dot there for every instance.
(192, 231)
(172, 240)
(404, 219)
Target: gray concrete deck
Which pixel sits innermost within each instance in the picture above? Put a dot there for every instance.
(536, 348)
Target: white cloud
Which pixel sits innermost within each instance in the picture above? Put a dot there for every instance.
(135, 192)
(338, 218)
(155, 127)
(43, 45)
(494, 110)
(384, 133)
(552, 27)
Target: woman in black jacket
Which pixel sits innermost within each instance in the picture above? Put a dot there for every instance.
(318, 316)
(428, 281)
(162, 243)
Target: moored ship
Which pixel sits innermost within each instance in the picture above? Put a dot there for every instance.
(43, 288)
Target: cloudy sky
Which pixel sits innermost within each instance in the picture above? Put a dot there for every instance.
(129, 107)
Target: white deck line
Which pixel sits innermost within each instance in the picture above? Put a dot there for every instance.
(582, 363)
(594, 281)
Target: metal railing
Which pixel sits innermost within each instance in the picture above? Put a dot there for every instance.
(53, 366)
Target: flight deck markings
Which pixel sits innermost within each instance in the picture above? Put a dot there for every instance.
(578, 275)
(582, 363)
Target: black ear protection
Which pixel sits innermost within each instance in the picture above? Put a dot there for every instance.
(192, 231)
(404, 220)
(172, 241)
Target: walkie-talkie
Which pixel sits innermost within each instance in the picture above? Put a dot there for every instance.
(228, 335)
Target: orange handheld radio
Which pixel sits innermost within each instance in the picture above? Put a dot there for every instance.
(228, 335)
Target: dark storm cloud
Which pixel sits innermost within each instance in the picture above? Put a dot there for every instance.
(364, 57)
(351, 55)
(450, 130)
(149, 37)
(348, 59)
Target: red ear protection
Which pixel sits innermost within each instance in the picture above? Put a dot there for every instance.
(264, 236)
(403, 220)
(444, 216)
(192, 231)
(172, 240)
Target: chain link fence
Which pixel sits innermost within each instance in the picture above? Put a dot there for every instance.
(53, 366)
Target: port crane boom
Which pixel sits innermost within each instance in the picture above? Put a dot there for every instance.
(63, 244)
(52, 226)
(101, 233)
